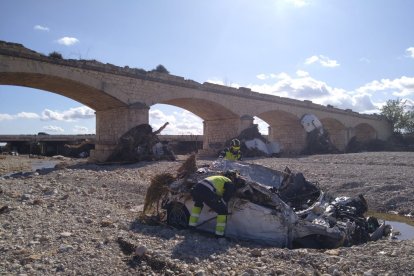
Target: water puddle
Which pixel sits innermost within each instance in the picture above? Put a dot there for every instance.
(406, 231)
(35, 164)
(400, 224)
(43, 164)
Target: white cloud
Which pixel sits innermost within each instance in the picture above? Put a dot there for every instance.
(302, 74)
(402, 87)
(5, 117)
(410, 52)
(180, 122)
(322, 60)
(27, 115)
(41, 28)
(21, 115)
(267, 76)
(55, 129)
(261, 125)
(160, 116)
(262, 77)
(304, 87)
(298, 3)
(67, 41)
(364, 60)
(82, 112)
(81, 130)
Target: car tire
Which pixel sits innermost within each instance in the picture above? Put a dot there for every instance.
(177, 215)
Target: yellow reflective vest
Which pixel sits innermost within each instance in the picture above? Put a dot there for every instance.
(232, 155)
(218, 182)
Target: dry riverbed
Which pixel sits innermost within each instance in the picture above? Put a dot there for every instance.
(82, 220)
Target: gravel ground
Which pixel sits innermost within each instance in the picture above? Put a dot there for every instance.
(82, 220)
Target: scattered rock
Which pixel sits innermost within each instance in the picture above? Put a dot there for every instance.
(65, 234)
(4, 209)
(32, 242)
(140, 250)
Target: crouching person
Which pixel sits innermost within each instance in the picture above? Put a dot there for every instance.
(215, 191)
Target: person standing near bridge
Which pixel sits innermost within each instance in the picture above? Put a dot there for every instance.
(233, 153)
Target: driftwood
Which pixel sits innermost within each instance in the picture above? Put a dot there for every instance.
(137, 144)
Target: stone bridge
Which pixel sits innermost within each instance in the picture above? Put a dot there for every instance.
(122, 97)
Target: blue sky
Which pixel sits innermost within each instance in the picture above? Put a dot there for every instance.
(349, 53)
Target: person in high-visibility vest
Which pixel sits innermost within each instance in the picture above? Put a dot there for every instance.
(233, 153)
(215, 191)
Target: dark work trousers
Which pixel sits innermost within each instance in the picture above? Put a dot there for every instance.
(202, 194)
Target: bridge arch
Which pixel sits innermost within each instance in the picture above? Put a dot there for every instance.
(285, 128)
(337, 132)
(79, 91)
(219, 123)
(364, 132)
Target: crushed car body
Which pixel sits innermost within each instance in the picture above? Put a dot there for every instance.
(276, 208)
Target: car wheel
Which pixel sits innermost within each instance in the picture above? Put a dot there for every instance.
(177, 215)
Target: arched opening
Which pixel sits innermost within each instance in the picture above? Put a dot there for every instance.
(219, 123)
(184, 130)
(44, 123)
(364, 132)
(285, 128)
(27, 110)
(180, 121)
(337, 132)
(263, 126)
(82, 92)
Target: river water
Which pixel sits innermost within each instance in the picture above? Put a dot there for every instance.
(403, 225)
(406, 230)
(43, 164)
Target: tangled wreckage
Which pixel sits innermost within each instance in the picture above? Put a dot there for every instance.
(276, 208)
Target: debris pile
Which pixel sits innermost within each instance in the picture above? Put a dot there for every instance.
(141, 144)
(278, 208)
(81, 150)
(253, 144)
(397, 142)
(317, 138)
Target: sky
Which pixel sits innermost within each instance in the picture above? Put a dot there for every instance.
(346, 53)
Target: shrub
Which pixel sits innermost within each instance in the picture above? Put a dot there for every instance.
(161, 69)
(55, 55)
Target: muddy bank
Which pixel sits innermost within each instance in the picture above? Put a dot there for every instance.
(82, 219)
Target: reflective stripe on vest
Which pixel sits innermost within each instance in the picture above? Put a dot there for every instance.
(208, 184)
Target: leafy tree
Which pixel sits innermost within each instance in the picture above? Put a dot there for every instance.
(410, 125)
(161, 69)
(399, 114)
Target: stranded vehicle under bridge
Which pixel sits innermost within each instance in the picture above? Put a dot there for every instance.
(276, 208)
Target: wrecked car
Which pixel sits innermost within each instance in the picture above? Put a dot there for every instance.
(276, 208)
(317, 137)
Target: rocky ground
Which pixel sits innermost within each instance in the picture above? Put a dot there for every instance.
(83, 220)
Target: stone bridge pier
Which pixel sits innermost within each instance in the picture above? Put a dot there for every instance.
(217, 132)
(111, 124)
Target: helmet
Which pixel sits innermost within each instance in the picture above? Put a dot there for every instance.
(232, 174)
(235, 143)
